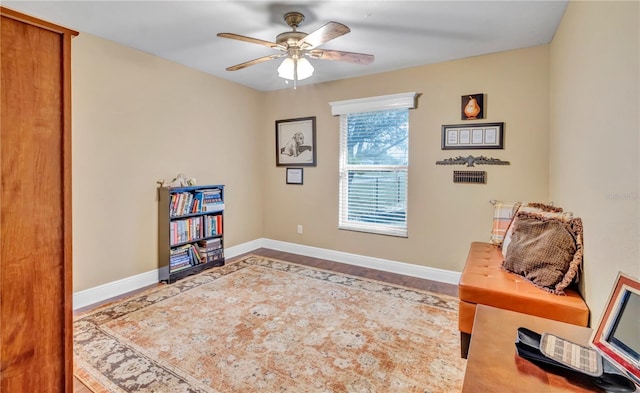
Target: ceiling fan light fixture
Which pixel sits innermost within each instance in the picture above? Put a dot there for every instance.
(286, 69)
(295, 45)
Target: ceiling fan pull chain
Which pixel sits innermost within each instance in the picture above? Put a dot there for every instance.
(295, 73)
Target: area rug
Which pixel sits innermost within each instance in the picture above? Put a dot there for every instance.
(263, 325)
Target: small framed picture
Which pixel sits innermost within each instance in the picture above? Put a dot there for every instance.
(472, 107)
(294, 175)
(473, 136)
(616, 335)
(296, 142)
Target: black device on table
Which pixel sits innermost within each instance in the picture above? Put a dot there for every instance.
(612, 359)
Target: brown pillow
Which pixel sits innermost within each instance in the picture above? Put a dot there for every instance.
(547, 251)
(538, 208)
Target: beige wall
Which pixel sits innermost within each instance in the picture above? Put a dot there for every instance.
(136, 119)
(571, 133)
(443, 217)
(594, 149)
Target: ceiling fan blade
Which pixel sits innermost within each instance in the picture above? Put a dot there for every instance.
(324, 34)
(252, 40)
(254, 61)
(351, 57)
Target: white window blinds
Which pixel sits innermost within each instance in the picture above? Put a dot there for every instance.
(374, 158)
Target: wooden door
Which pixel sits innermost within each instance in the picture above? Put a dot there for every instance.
(36, 353)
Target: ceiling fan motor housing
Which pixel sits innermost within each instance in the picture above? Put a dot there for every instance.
(293, 19)
(297, 44)
(290, 38)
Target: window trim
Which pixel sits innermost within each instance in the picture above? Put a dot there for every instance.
(372, 104)
(365, 105)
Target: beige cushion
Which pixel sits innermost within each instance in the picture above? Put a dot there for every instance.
(545, 250)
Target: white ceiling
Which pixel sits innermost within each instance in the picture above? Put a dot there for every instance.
(400, 34)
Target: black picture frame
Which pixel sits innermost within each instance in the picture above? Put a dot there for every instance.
(295, 176)
(296, 142)
(473, 136)
(479, 104)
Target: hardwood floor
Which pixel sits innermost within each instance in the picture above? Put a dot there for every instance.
(392, 278)
(398, 279)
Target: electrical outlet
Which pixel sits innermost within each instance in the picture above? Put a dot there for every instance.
(299, 228)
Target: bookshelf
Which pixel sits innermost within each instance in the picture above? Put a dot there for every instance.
(190, 230)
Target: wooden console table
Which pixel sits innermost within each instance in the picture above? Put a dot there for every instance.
(494, 366)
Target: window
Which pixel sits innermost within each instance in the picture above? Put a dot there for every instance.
(374, 163)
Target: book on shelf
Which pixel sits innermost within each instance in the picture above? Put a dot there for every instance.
(179, 253)
(211, 195)
(178, 202)
(198, 197)
(213, 207)
(180, 262)
(182, 201)
(213, 225)
(172, 204)
(178, 268)
(211, 249)
(196, 258)
(186, 230)
(210, 244)
(198, 201)
(195, 206)
(185, 255)
(212, 199)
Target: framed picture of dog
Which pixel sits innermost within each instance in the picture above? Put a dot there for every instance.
(296, 142)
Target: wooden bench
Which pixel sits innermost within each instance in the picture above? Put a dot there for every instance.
(484, 281)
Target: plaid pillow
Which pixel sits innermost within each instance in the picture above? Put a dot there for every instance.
(502, 215)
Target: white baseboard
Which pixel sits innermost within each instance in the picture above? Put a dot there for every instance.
(231, 252)
(109, 290)
(112, 289)
(407, 269)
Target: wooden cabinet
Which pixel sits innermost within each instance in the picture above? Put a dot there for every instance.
(36, 348)
(190, 231)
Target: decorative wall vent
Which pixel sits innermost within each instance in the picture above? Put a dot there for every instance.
(472, 161)
(474, 177)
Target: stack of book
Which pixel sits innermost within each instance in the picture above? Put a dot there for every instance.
(211, 200)
(211, 249)
(184, 257)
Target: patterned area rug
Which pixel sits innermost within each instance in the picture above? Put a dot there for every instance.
(263, 325)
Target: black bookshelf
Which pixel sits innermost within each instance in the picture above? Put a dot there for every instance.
(190, 230)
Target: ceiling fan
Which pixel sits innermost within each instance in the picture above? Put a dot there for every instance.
(296, 46)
